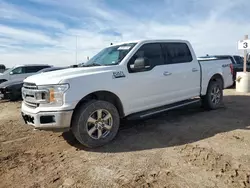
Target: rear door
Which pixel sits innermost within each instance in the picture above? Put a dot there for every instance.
(182, 69)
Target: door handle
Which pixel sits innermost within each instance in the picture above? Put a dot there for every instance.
(194, 70)
(167, 73)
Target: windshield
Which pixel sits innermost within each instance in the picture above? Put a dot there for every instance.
(111, 55)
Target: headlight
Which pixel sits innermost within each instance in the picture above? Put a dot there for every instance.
(52, 95)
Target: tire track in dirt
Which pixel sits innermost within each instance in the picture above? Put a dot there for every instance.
(231, 172)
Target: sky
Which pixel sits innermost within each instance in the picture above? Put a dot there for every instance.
(54, 31)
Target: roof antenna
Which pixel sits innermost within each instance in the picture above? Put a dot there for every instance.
(111, 44)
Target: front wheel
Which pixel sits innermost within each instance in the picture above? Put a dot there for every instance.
(95, 123)
(214, 96)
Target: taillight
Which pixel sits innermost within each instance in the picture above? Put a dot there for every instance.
(232, 69)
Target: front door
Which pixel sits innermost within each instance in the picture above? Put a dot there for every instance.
(17, 73)
(147, 87)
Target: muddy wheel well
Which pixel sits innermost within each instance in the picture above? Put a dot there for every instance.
(105, 96)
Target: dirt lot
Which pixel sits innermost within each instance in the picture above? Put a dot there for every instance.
(189, 147)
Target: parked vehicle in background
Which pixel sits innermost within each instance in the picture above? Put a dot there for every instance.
(21, 72)
(12, 89)
(237, 61)
(2, 68)
(128, 80)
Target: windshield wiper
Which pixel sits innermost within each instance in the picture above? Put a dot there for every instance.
(91, 65)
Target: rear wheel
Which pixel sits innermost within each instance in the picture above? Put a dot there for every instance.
(214, 96)
(95, 123)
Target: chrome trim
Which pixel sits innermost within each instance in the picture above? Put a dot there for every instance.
(29, 92)
(30, 104)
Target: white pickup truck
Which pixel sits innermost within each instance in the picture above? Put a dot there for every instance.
(127, 80)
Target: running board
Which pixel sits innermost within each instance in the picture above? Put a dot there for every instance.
(158, 110)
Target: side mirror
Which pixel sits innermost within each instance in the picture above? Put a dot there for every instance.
(11, 73)
(140, 64)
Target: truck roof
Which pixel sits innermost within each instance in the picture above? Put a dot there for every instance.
(150, 40)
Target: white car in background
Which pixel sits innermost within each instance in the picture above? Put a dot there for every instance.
(21, 71)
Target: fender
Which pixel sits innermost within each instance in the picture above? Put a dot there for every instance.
(206, 78)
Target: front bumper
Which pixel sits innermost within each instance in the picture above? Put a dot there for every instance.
(57, 120)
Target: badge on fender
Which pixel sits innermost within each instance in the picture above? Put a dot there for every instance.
(118, 74)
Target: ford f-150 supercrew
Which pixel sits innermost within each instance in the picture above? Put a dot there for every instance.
(127, 80)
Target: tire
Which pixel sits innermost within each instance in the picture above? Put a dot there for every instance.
(87, 124)
(214, 96)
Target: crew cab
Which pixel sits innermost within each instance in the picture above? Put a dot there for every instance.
(127, 80)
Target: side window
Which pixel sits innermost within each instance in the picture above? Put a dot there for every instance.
(18, 70)
(177, 53)
(152, 53)
(34, 69)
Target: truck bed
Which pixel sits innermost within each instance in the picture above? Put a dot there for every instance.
(208, 66)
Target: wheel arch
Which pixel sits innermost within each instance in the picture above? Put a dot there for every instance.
(105, 96)
(216, 77)
(213, 77)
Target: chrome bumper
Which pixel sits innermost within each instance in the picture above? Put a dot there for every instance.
(48, 120)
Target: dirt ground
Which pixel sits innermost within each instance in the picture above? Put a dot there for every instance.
(183, 148)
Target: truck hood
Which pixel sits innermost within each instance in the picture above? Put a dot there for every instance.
(59, 76)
